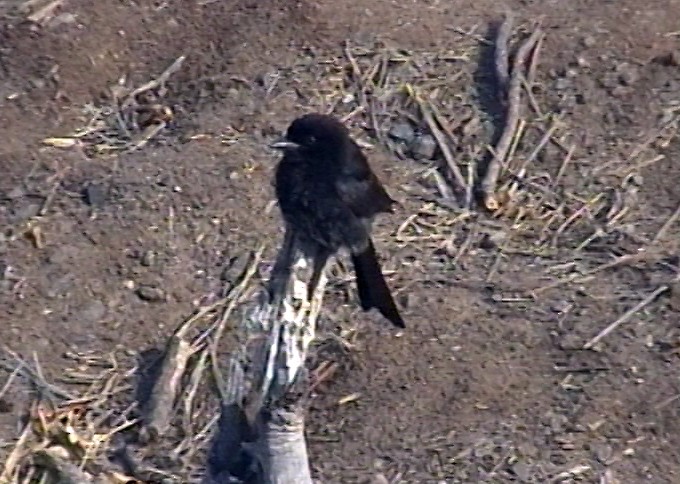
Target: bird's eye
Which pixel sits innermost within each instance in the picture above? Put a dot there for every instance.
(311, 140)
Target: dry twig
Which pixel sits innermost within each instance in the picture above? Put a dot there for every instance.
(512, 118)
(426, 112)
(629, 314)
(160, 407)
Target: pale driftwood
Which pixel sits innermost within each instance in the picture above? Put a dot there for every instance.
(261, 430)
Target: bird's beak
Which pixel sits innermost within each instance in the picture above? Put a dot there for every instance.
(283, 144)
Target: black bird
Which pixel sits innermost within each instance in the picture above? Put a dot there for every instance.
(328, 197)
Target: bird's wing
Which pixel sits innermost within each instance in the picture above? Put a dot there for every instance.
(360, 189)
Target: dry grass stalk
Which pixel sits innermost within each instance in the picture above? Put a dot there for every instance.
(132, 119)
(428, 117)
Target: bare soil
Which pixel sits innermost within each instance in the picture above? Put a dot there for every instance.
(485, 384)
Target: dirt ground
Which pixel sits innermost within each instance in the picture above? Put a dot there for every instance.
(485, 384)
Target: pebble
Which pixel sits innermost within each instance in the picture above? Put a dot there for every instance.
(492, 240)
(628, 74)
(6, 406)
(581, 61)
(150, 293)
(94, 195)
(235, 268)
(148, 258)
(589, 41)
(621, 91)
(562, 83)
(561, 307)
(609, 80)
(603, 452)
(558, 459)
(557, 423)
(423, 147)
(402, 131)
(672, 59)
(522, 470)
(571, 73)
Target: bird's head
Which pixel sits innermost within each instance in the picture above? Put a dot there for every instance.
(314, 133)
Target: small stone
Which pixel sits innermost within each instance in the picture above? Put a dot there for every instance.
(94, 195)
(589, 41)
(609, 80)
(571, 73)
(621, 91)
(582, 62)
(6, 406)
(235, 269)
(558, 458)
(408, 300)
(151, 293)
(562, 83)
(603, 452)
(492, 240)
(636, 180)
(557, 423)
(148, 258)
(671, 59)
(628, 74)
(37, 83)
(522, 470)
(164, 180)
(402, 131)
(423, 147)
(561, 307)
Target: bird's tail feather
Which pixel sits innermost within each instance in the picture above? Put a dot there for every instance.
(371, 285)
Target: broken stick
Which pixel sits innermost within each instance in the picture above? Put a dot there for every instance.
(629, 314)
(159, 409)
(514, 94)
(262, 420)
